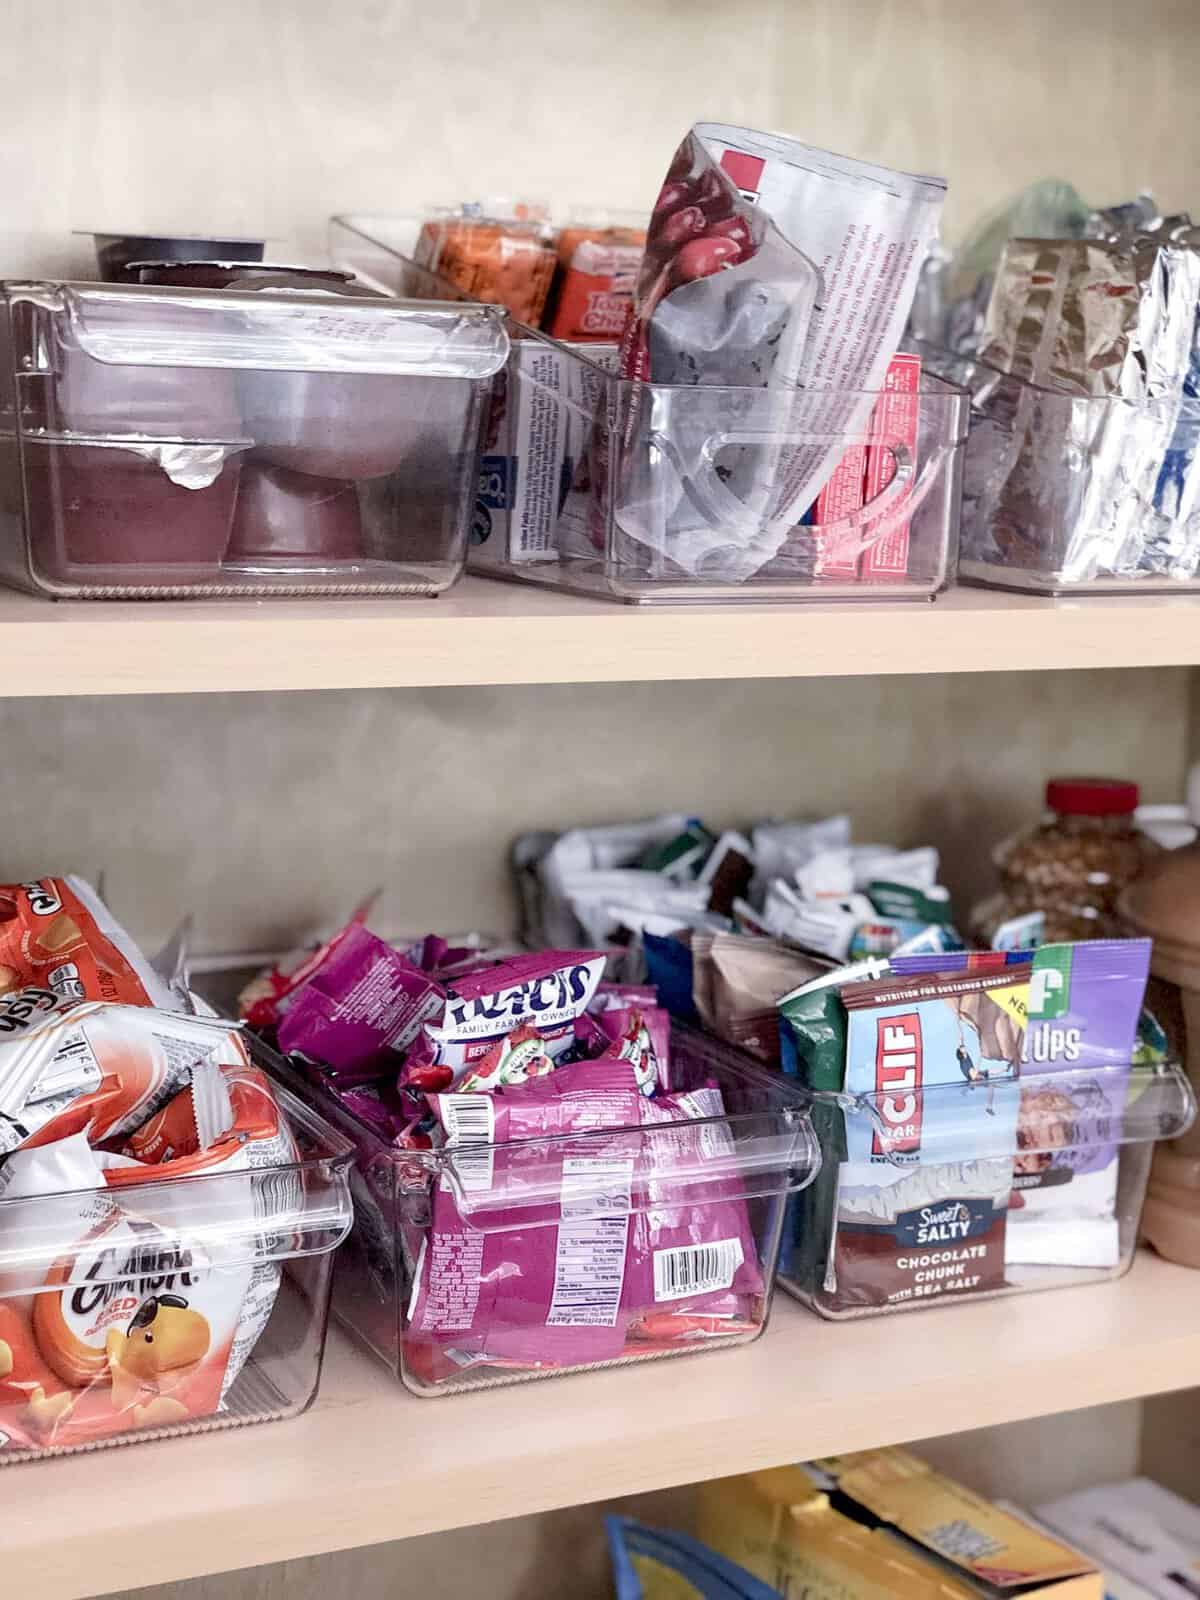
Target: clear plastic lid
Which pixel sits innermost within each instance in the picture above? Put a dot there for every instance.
(291, 330)
(228, 1221)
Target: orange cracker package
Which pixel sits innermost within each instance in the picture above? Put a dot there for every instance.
(593, 288)
(124, 1308)
(57, 934)
(501, 259)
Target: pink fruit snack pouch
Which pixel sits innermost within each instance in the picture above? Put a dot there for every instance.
(263, 1000)
(550, 990)
(641, 1034)
(562, 1231)
(362, 1007)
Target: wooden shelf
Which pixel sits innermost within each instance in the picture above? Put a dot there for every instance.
(369, 1463)
(484, 632)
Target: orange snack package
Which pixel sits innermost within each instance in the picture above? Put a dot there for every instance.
(593, 289)
(140, 1314)
(501, 261)
(57, 934)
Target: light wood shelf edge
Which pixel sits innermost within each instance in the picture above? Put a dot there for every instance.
(484, 632)
(369, 1463)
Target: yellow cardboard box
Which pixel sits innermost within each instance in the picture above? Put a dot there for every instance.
(883, 1525)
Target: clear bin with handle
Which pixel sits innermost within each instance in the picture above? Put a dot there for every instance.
(169, 441)
(979, 1189)
(1065, 494)
(484, 1263)
(665, 493)
(168, 1307)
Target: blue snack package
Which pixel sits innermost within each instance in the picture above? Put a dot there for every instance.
(651, 1564)
(669, 969)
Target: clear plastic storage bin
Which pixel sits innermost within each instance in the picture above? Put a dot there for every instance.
(958, 1211)
(574, 1252)
(666, 493)
(159, 441)
(169, 1307)
(1068, 495)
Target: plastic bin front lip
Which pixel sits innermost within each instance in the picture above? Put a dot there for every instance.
(1145, 1103)
(789, 1162)
(214, 1210)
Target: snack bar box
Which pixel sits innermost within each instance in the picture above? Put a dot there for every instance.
(214, 1289)
(290, 434)
(935, 1195)
(575, 1251)
(657, 493)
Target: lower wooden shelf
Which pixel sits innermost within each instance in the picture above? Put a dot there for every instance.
(369, 1463)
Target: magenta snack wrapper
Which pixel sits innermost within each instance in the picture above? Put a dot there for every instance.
(563, 1248)
(550, 990)
(644, 1034)
(366, 1002)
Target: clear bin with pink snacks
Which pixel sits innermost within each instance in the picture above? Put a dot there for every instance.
(532, 1252)
(550, 1175)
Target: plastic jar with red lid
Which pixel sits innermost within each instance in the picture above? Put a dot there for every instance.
(1073, 865)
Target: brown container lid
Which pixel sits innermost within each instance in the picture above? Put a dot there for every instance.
(1165, 901)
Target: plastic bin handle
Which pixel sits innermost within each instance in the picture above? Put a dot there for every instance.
(903, 494)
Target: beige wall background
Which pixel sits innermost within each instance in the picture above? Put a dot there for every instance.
(250, 115)
(268, 815)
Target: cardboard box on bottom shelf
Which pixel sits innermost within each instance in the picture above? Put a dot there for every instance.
(881, 1525)
(1147, 1536)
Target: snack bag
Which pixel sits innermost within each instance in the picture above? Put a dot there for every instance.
(72, 1065)
(499, 258)
(593, 288)
(364, 1004)
(728, 296)
(57, 934)
(556, 1252)
(137, 1323)
(551, 990)
(263, 1000)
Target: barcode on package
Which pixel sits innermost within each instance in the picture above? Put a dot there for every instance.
(589, 1264)
(471, 1126)
(696, 1268)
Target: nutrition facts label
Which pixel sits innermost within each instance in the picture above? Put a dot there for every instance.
(589, 1267)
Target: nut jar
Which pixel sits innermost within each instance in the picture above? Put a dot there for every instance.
(1073, 865)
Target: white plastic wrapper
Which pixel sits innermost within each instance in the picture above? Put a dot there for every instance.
(770, 266)
(582, 851)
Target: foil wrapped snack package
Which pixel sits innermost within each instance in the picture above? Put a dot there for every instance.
(1065, 474)
(769, 265)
